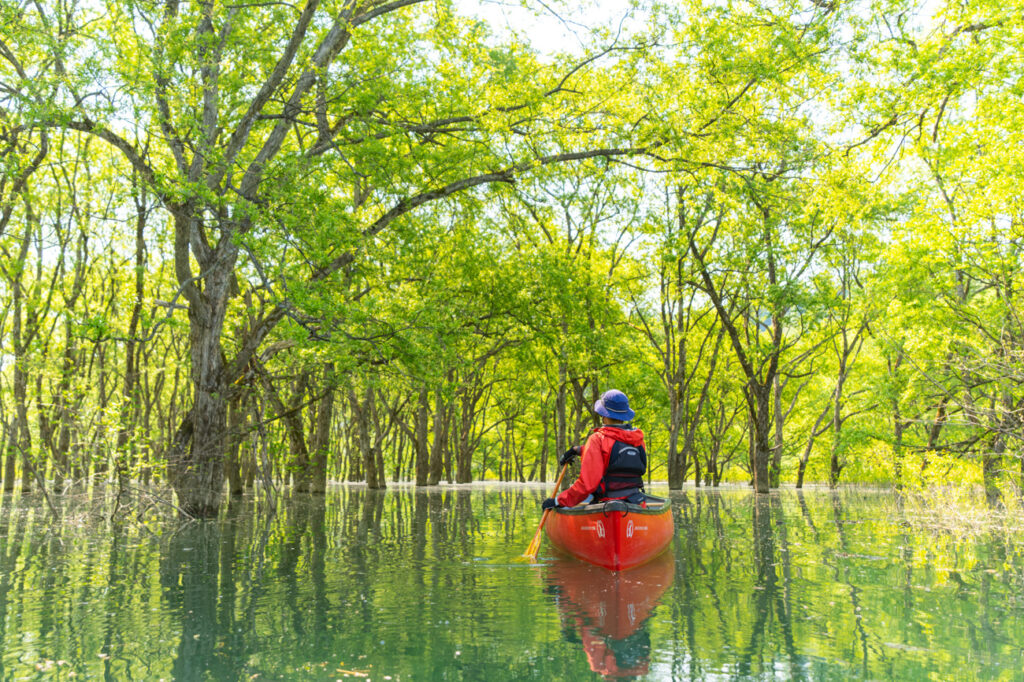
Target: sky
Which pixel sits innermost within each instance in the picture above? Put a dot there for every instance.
(548, 25)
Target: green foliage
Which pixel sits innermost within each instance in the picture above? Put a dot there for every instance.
(847, 170)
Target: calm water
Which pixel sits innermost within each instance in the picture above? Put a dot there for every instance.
(424, 585)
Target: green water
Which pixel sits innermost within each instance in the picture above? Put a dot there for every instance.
(424, 585)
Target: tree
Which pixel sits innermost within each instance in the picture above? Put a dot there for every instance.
(242, 132)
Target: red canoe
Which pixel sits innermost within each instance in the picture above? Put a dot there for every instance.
(613, 534)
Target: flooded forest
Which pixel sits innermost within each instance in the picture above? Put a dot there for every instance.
(273, 247)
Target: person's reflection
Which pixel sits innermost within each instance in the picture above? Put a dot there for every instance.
(608, 611)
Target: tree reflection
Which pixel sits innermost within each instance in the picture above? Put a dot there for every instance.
(189, 571)
(418, 584)
(608, 611)
(770, 551)
(10, 549)
(862, 635)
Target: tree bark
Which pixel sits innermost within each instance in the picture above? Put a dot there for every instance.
(21, 439)
(677, 464)
(816, 431)
(236, 426)
(127, 448)
(775, 472)
(761, 401)
(361, 413)
(440, 444)
(836, 462)
(421, 443)
(322, 434)
(197, 474)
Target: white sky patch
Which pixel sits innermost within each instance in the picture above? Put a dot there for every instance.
(555, 26)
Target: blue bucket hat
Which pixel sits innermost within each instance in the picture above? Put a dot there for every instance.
(615, 405)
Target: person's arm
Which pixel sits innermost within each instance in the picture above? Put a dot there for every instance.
(592, 466)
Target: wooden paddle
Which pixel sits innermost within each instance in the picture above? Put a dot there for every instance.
(531, 551)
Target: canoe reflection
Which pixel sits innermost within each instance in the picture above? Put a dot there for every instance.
(607, 611)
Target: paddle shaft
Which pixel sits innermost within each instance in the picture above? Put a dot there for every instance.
(531, 551)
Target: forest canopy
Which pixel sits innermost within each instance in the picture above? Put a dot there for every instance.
(281, 244)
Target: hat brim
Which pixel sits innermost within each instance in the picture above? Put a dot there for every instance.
(623, 416)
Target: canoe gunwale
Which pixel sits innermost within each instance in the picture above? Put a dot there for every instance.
(655, 506)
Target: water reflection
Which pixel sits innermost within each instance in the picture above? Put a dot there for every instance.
(421, 584)
(772, 610)
(607, 612)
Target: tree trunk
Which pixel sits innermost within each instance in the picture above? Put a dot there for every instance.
(62, 407)
(236, 427)
(437, 451)
(361, 414)
(22, 437)
(421, 444)
(11, 458)
(23, 440)
(464, 451)
(991, 465)
(807, 450)
(775, 472)
(378, 454)
(545, 449)
(292, 418)
(992, 462)
(561, 428)
(322, 434)
(127, 448)
(44, 418)
(197, 472)
(897, 449)
(761, 424)
(677, 464)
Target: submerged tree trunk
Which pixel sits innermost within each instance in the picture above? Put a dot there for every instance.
(20, 437)
(775, 472)
(761, 423)
(322, 434)
(197, 472)
(464, 449)
(816, 431)
(561, 399)
(64, 410)
(421, 441)
(677, 463)
(544, 453)
(236, 422)
(361, 413)
(991, 466)
(23, 439)
(439, 448)
(127, 447)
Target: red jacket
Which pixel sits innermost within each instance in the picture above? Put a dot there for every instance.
(595, 461)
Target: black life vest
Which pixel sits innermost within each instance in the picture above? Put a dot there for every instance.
(627, 465)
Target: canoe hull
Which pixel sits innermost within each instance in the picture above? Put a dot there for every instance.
(614, 535)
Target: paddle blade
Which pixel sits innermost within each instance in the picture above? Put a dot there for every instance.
(531, 551)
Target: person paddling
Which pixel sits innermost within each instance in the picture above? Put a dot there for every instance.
(614, 458)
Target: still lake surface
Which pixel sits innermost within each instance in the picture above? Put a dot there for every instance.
(426, 585)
